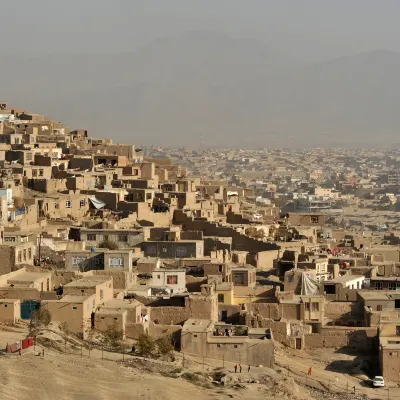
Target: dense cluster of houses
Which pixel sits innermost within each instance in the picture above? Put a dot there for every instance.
(103, 236)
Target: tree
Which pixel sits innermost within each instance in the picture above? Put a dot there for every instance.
(146, 344)
(112, 337)
(63, 326)
(165, 346)
(40, 318)
(109, 244)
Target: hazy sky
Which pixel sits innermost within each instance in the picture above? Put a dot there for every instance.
(311, 30)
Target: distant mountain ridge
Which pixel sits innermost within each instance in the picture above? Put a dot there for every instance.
(205, 84)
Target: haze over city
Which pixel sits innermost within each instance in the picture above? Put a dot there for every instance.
(233, 73)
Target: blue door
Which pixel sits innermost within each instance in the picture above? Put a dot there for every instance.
(27, 308)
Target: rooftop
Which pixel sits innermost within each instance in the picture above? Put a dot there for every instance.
(72, 299)
(197, 325)
(89, 283)
(344, 279)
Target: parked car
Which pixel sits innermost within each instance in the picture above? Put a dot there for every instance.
(378, 381)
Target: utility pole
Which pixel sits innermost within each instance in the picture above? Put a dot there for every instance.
(40, 243)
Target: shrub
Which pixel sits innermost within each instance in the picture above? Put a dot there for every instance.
(165, 346)
(146, 344)
(40, 318)
(112, 337)
(109, 244)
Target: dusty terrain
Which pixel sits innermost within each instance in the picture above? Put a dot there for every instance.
(80, 374)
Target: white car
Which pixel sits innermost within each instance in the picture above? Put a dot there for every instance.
(378, 381)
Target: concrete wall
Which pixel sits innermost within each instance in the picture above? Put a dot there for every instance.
(10, 311)
(103, 291)
(389, 360)
(76, 315)
(234, 349)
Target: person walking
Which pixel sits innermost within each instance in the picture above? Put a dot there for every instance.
(309, 371)
(240, 368)
(248, 369)
(235, 367)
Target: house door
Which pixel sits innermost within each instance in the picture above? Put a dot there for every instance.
(224, 315)
(298, 343)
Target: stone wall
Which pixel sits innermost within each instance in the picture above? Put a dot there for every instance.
(359, 338)
(193, 283)
(196, 306)
(265, 310)
(335, 310)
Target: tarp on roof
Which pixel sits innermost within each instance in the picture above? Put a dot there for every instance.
(308, 285)
(97, 203)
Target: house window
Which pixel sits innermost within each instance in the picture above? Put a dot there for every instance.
(181, 251)
(314, 220)
(91, 236)
(235, 346)
(98, 261)
(41, 172)
(218, 345)
(19, 256)
(307, 306)
(172, 279)
(220, 298)
(193, 335)
(76, 261)
(379, 307)
(123, 238)
(34, 173)
(392, 285)
(5, 305)
(28, 156)
(56, 206)
(101, 294)
(116, 262)
(24, 254)
(74, 308)
(68, 204)
(164, 249)
(9, 239)
(82, 203)
(314, 306)
(398, 330)
(378, 285)
(158, 276)
(148, 196)
(29, 253)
